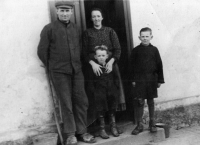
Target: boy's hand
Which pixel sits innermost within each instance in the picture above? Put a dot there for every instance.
(159, 84)
(133, 83)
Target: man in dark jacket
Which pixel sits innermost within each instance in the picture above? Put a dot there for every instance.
(59, 50)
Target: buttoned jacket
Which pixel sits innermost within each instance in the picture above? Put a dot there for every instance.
(59, 47)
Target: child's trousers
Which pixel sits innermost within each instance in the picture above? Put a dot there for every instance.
(139, 108)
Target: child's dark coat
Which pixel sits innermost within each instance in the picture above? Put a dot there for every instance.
(106, 92)
(146, 70)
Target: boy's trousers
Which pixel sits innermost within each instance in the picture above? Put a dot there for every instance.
(139, 108)
(70, 91)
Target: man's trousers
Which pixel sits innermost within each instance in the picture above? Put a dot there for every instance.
(70, 90)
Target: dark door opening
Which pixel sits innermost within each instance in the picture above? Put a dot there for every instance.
(114, 14)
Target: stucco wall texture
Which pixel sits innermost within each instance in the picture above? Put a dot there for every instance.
(24, 95)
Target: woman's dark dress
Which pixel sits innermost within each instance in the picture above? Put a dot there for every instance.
(96, 37)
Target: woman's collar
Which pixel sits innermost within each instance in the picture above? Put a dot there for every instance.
(102, 27)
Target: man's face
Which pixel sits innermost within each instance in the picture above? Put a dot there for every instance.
(64, 14)
(101, 56)
(145, 37)
(97, 18)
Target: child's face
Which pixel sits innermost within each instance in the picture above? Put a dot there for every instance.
(101, 56)
(145, 37)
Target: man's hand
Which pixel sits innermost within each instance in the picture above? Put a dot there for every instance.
(133, 83)
(159, 84)
(109, 65)
(96, 68)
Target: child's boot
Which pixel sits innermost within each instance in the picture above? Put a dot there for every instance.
(152, 126)
(113, 126)
(102, 131)
(138, 129)
(139, 108)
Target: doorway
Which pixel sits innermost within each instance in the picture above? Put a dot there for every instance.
(116, 14)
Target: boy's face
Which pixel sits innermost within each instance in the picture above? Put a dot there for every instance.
(101, 56)
(145, 37)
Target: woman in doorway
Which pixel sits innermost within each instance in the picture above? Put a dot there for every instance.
(97, 36)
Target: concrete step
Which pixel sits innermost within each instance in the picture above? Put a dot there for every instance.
(126, 138)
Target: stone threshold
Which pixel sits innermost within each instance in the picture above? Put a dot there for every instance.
(127, 139)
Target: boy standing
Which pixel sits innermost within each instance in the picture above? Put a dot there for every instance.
(105, 93)
(146, 77)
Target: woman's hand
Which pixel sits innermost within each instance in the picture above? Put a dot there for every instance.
(109, 65)
(96, 68)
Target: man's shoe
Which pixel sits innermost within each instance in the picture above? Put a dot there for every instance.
(71, 140)
(152, 126)
(87, 138)
(139, 128)
(103, 134)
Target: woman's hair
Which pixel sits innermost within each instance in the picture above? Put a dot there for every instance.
(97, 9)
(102, 47)
(146, 29)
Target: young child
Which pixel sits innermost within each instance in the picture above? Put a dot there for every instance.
(146, 76)
(105, 93)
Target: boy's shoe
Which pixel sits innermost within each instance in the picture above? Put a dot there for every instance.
(113, 126)
(139, 128)
(152, 126)
(71, 140)
(120, 131)
(103, 134)
(113, 129)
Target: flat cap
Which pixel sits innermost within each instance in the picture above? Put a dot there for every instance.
(67, 4)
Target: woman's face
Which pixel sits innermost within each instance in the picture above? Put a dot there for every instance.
(97, 18)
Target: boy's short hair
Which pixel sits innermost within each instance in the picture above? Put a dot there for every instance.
(102, 47)
(146, 29)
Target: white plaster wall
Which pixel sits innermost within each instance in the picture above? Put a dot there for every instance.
(176, 31)
(24, 96)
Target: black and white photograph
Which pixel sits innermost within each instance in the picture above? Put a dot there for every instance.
(100, 72)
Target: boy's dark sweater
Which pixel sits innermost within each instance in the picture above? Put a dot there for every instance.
(146, 60)
(105, 91)
(146, 70)
(106, 81)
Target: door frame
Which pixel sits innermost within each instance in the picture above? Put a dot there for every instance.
(76, 17)
(128, 23)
